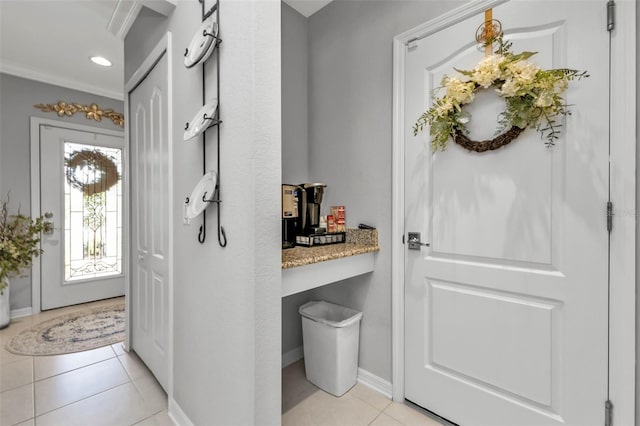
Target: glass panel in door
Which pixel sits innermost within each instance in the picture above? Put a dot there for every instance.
(93, 212)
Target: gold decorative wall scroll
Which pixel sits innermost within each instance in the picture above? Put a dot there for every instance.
(92, 112)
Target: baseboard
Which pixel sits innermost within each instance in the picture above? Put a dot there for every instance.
(366, 378)
(178, 417)
(376, 383)
(292, 356)
(23, 312)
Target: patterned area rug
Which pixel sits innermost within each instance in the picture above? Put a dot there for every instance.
(79, 331)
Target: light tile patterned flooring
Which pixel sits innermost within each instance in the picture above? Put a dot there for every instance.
(305, 404)
(108, 386)
(104, 386)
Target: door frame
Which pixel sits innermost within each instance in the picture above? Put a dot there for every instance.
(163, 47)
(34, 135)
(622, 317)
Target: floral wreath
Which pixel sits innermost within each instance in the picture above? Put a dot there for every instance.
(104, 167)
(533, 97)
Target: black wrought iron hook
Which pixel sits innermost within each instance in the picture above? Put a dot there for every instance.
(202, 233)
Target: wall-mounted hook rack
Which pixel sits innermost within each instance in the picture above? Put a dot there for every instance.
(215, 199)
(210, 12)
(214, 121)
(216, 43)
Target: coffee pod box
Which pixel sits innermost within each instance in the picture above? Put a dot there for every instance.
(339, 215)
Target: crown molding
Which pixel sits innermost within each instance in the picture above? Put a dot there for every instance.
(19, 70)
(126, 12)
(123, 17)
(163, 7)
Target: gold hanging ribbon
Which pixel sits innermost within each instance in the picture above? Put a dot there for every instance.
(488, 32)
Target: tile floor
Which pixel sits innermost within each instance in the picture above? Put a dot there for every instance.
(104, 386)
(108, 386)
(305, 404)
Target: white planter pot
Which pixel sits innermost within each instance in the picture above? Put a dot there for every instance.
(5, 308)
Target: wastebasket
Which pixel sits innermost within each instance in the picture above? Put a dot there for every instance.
(330, 335)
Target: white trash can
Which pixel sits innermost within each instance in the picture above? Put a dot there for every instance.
(331, 336)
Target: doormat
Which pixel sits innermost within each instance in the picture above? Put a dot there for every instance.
(75, 332)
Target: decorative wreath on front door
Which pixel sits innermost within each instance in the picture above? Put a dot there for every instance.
(91, 171)
(533, 97)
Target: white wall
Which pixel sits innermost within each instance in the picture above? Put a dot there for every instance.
(350, 111)
(637, 212)
(295, 115)
(349, 146)
(17, 98)
(295, 142)
(227, 301)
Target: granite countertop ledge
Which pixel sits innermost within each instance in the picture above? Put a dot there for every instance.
(359, 241)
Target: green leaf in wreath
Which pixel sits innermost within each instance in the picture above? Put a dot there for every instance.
(464, 72)
(522, 56)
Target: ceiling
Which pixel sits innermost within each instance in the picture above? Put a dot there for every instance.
(52, 40)
(307, 7)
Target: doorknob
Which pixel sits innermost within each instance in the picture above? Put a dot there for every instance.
(141, 257)
(414, 241)
(48, 224)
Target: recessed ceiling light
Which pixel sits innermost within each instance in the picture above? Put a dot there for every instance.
(101, 61)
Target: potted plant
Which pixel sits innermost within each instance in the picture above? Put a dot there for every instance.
(19, 244)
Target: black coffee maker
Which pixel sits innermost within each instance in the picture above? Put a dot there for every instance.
(290, 214)
(309, 222)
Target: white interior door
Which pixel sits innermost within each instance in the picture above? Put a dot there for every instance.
(506, 311)
(150, 220)
(81, 194)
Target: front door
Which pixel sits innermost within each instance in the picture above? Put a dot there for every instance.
(150, 220)
(506, 310)
(81, 195)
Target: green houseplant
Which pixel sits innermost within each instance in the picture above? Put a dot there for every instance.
(19, 244)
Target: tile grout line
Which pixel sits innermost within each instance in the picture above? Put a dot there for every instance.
(370, 404)
(14, 387)
(375, 418)
(73, 369)
(33, 390)
(81, 399)
(33, 380)
(133, 383)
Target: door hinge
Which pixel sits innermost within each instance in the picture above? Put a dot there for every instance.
(611, 15)
(609, 216)
(608, 413)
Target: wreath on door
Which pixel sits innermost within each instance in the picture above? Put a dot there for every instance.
(91, 171)
(533, 98)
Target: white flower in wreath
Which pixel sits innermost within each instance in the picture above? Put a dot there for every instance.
(533, 99)
(524, 72)
(520, 79)
(460, 92)
(487, 71)
(444, 107)
(509, 88)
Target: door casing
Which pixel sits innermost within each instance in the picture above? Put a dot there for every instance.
(35, 123)
(622, 330)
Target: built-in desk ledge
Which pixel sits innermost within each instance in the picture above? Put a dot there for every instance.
(304, 268)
